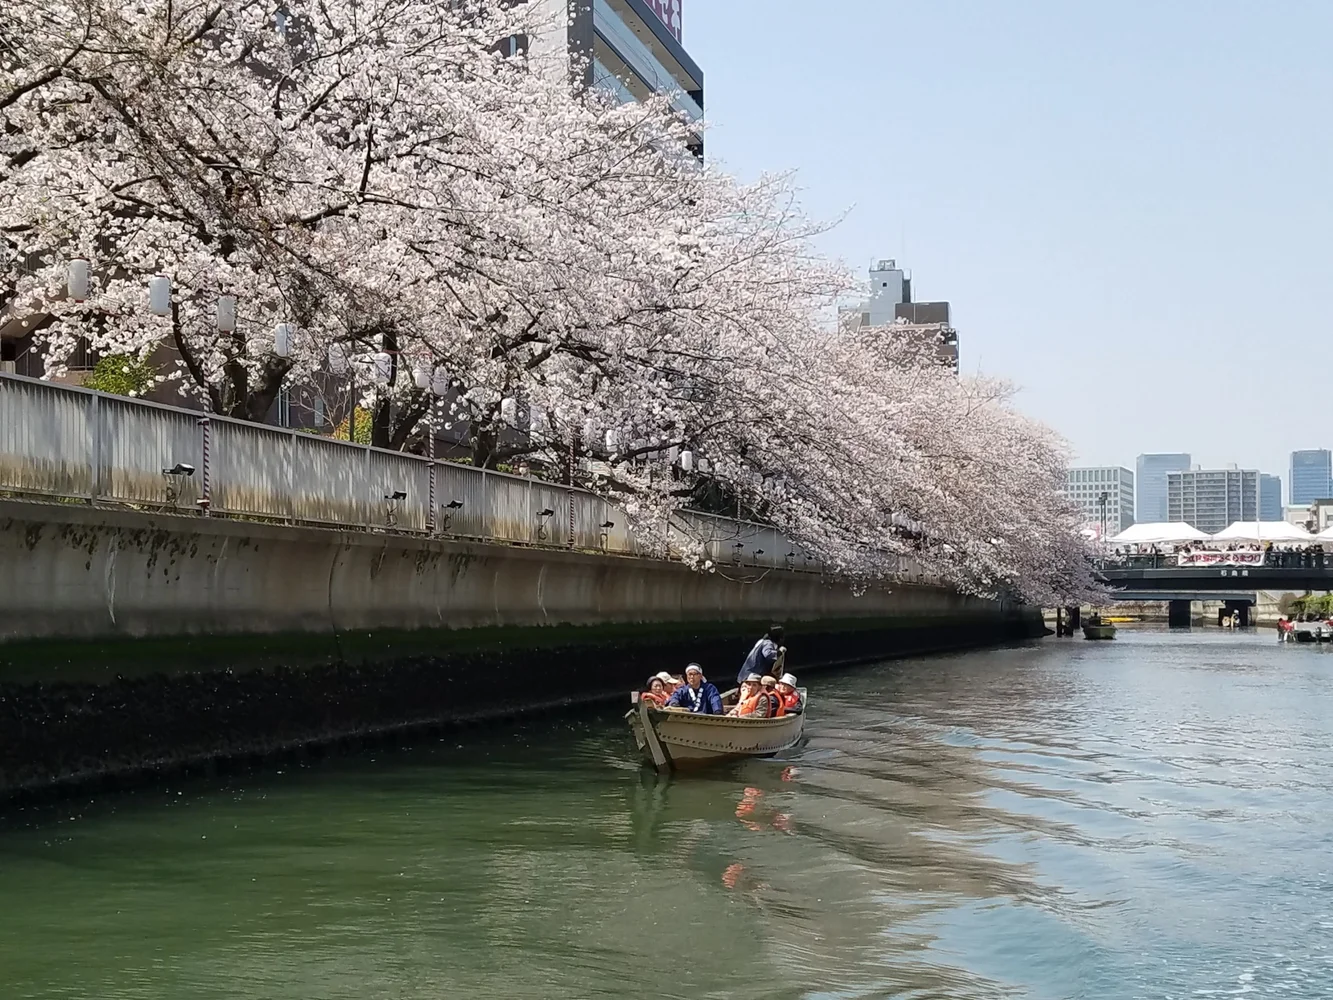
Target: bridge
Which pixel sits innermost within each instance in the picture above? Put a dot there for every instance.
(1211, 579)
(1235, 586)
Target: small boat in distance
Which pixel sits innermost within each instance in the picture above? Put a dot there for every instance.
(1097, 627)
(673, 737)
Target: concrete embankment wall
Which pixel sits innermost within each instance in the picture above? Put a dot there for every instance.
(133, 640)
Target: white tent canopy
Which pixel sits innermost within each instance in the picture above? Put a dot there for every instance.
(1159, 533)
(1263, 531)
(1326, 535)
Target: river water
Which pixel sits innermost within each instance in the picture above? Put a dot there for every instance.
(1144, 818)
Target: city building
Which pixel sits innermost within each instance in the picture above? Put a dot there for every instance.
(1313, 517)
(1297, 514)
(1311, 476)
(890, 302)
(1150, 474)
(1103, 492)
(1212, 499)
(631, 48)
(1270, 497)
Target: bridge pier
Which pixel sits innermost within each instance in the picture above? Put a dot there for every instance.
(1241, 608)
(1178, 614)
(1067, 621)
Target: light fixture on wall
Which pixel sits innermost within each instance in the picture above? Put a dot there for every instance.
(159, 295)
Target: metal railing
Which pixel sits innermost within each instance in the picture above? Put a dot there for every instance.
(69, 443)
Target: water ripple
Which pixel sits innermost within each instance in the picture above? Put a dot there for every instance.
(1144, 818)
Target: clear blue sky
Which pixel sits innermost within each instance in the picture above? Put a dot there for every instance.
(1128, 205)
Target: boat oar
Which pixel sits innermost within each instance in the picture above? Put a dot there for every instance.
(660, 759)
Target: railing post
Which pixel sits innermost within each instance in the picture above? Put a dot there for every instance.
(367, 500)
(95, 429)
(484, 518)
(289, 486)
(205, 472)
(431, 499)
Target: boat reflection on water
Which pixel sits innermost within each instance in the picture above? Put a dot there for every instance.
(818, 853)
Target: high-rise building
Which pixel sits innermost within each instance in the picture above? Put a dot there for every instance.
(1212, 499)
(1311, 476)
(631, 48)
(1270, 497)
(1103, 491)
(891, 302)
(1150, 474)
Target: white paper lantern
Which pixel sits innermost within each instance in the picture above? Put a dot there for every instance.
(77, 279)
(589, 430)
(439, 382)
(282, 339)
(509, 409)
(687, 460)
(337, 359)
(703, 465)
(383, 368)
(421, 377)
(159, 295)
(612, 441)
(226, 313)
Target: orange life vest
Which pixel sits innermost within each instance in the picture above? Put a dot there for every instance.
(750, 705)
(776, 708)
(659, 700)
(790, 701)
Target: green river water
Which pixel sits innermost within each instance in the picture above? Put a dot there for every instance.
(1144, 818)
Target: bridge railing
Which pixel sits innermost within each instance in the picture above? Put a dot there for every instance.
(68, 443)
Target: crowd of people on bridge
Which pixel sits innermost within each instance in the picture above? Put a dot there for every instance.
(762, 693)
(1275, 555)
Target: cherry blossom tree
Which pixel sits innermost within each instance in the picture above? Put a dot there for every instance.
(373, 192)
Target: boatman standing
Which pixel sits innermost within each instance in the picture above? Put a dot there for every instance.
(765, 657)
(697, 694)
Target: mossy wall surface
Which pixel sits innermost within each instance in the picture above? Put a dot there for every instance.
(134, 642)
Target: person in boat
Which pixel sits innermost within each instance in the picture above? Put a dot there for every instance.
(751, 702)
(697, 694)
(775, 707)
(791, 698)
(659, 689)
(764, 656)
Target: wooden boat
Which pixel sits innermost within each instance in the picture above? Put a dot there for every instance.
(672, 737)
(1097, 627)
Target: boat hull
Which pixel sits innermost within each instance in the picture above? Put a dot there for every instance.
(1099, 631)
(669, 739)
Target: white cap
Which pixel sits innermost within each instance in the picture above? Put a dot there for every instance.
(789, 679)
(664, 677)
(754, 677)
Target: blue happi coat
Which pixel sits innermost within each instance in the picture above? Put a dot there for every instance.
(761, 659)
(705, 701)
